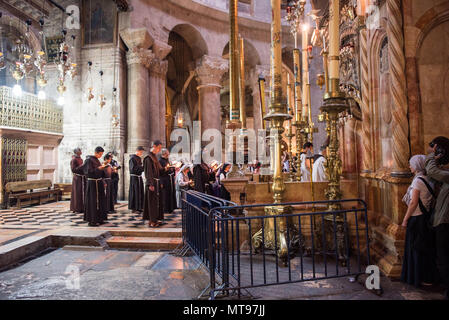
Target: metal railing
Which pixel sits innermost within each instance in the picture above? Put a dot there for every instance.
(28, 112)
(240, 251)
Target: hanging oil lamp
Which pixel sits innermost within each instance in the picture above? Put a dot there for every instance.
(102, 97)
(90, 95)
(115, 121)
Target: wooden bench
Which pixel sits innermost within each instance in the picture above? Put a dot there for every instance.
(66, 190)
(31, 192)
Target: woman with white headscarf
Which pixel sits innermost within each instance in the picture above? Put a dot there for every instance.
(182, 183)
(418, 266)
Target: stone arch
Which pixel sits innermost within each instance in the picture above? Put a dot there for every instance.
(433, 75)
(20, 26)
(428, 21)
(252, 57)
(193, 38)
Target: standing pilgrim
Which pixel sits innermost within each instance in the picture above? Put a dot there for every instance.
(167, 181)
(78, 182)
(95, 197)
(182, 183)
(136, 191)
(305, 165)
(152, 209)
(319, 166)
(201, 178)
(108, 184)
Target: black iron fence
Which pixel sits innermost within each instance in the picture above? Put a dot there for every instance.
(257, 248)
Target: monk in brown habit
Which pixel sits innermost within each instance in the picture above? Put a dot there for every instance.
(152, 209)
(95, 202)
(136, 192)
(108, 184)
(77, 197)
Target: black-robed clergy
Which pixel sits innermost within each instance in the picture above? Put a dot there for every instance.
(168, 183)
(136, 192)
(77, 197)
(152, 209)
(108, 184)
(95, 211)
(115, 179)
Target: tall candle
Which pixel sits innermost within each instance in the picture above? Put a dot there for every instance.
(276, 53)
(298, 103)
(334, 39)
(305, 70)
(361, 7)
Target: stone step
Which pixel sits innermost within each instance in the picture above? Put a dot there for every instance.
(147, 243)
(157, 232)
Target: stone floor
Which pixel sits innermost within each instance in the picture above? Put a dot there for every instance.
(106, 273)
(76, 274)
(59, 214)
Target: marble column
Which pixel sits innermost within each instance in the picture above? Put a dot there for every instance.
(400, 125)
(209, 72)
(158, 76)
(366, 109)
(138, 60)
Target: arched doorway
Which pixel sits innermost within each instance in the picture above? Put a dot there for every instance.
(433, 67)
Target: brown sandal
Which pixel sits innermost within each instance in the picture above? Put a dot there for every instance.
(154, 225)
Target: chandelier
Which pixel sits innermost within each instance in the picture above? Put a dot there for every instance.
(65, 65)
(295, 13)
(26, 62)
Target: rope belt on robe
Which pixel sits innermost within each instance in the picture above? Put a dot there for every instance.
(135, 175)
(96, 185)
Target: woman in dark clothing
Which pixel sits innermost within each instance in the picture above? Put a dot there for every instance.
(418, 266)
(94, 198)
(201, 178)
(220, 189)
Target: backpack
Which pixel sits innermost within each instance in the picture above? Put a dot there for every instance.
(425, 239)
(428, 213)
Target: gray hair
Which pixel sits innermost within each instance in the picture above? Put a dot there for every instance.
(76, 150)
(164, 151)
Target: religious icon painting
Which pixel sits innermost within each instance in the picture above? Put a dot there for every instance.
(100, 22)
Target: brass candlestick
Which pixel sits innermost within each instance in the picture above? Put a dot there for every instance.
(277, 115)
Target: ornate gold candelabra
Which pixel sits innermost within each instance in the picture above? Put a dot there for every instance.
(334, 103)
(275, 236)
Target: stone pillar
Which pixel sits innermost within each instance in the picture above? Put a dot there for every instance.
(158, 76)
(401, 148)
(138, 59)
(366, 110)
(209, 72)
